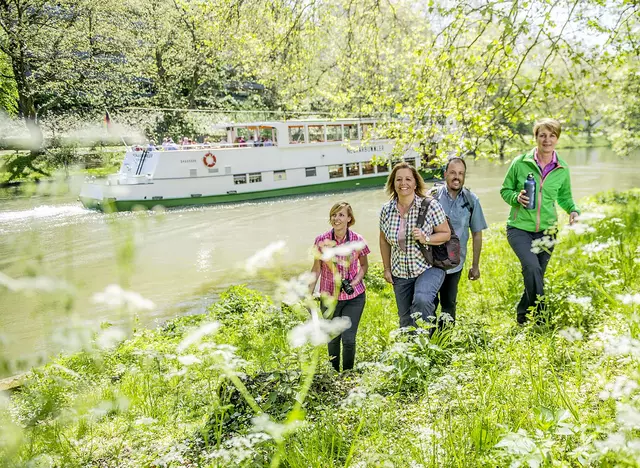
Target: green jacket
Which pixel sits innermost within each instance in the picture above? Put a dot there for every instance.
(556, 187)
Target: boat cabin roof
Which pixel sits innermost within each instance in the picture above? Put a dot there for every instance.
(293, 123)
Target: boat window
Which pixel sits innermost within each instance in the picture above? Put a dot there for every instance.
(334, 132)
(193, 172)
(310, 171)
(353, 169)
(336, 172)
(316, 133)
(255, 177)
(351, 132)
(239, 179)
(367, 131)
(368, 168)
(267, 136)
(279, 175)
(383, 167)
(242, 136)
(410, 161)
(296, 134)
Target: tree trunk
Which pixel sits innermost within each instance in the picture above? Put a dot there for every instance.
(589, 130)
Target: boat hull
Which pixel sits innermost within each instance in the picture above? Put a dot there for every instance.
(109, 205)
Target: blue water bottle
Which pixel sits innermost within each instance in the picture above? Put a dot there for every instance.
(530, 189)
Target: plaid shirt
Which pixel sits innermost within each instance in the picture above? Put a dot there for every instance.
(408, 262)
(349, 271)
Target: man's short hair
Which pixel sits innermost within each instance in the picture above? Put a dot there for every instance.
(551, 125)
(456, 159)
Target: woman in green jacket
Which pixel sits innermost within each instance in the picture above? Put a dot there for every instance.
(531, 232)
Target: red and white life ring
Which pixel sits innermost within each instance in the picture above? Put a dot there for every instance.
(209, 160)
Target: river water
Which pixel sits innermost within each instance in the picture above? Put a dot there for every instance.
(183, 258)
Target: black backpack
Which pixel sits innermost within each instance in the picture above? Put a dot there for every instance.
(445, 256)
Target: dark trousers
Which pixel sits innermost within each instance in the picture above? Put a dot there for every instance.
(417, 295)
(447, 298)
(351, 308)
(533, 268)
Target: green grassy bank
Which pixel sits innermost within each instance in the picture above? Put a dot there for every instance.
(562, 393)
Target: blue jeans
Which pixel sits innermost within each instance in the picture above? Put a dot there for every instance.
(418, 295)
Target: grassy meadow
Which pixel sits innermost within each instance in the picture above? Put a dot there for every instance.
(248, 384)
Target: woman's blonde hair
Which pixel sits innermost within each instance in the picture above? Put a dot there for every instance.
(337, 207)
(391, 187)
(551, 125)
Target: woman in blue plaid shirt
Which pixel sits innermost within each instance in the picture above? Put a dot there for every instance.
(415, 282)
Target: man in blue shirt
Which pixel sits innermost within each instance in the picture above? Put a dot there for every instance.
(465, 213)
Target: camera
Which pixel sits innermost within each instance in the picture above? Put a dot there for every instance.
(346, 286)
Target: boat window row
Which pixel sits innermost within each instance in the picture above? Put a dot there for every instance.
(355, 169)
(336, 171)
(321, 133)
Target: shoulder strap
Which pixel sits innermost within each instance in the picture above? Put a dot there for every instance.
(468, 199)
(422, 212)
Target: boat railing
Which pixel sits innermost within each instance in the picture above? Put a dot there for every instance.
(203, 146)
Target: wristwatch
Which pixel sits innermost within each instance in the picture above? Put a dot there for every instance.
(426, 239)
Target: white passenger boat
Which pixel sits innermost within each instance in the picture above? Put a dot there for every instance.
(252, 161)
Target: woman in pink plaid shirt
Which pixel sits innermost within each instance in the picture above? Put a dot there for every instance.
(341, 266)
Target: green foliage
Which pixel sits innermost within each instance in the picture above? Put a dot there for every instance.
(443, 76)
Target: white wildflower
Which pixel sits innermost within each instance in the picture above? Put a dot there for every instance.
(226, 358)
(571, 334)
(264, 424)
(584, 301)
(295, 289)
(591, 216)
(197, 335)
(110, 337)
(237, 449)
(427, 433)
(317, 331)
(145, 421)
(358, 397)
(342, 250)
(622, 346)
(615, 442)
(445, 317)
(517, 443)
(615, 282)
(34, 284)
(264, 257)
(74, 337)
(596, 247)
(617, 222)
(105, 407)
(114, 296)
(628, 416)
(175, 373)
(545, 243)
(175, 456)
(629, 299)
(188, 360)
(620, 388)
(580, 228)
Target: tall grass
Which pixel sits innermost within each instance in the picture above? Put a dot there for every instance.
(227, 388)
